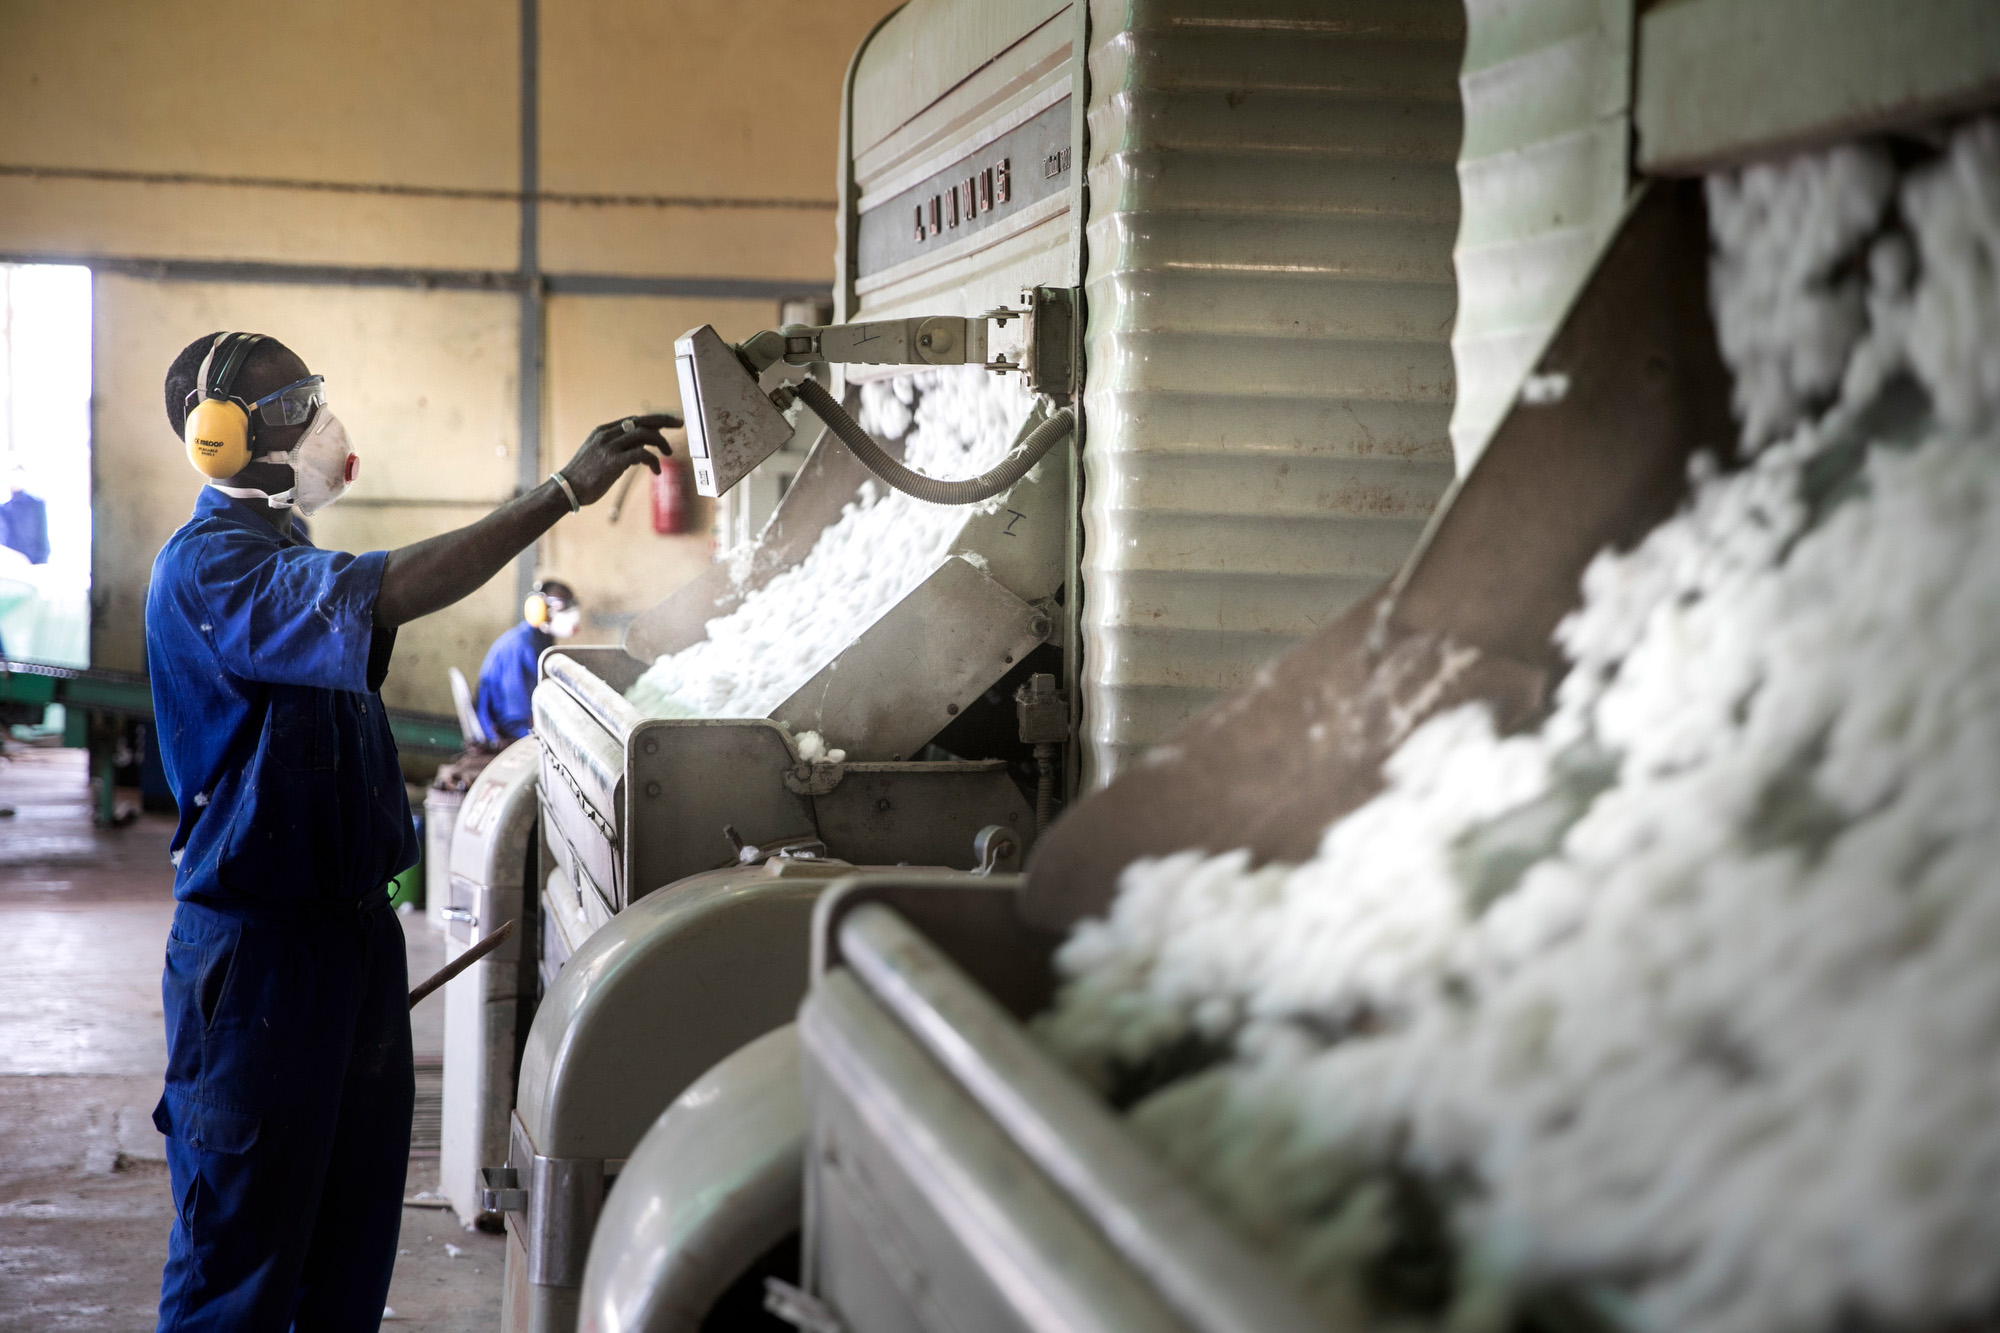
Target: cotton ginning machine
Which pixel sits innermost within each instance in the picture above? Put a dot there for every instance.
(1262, 307)
(485, 883)
(682, 855)
(632, 802)
(953, 1176)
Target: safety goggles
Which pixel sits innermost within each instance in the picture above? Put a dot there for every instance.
(292, 405)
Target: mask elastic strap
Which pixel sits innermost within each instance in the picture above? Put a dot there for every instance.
(282, 500)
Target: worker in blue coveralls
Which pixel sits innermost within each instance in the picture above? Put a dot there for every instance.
(289, 1088)
(507, 676)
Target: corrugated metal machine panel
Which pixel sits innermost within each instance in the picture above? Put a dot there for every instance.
(1707, 96)
(1543, 178)
(1271, 212)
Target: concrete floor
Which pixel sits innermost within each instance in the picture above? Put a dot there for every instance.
(84, 1202)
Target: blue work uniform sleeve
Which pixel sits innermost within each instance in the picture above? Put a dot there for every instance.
(292, 615)
(501, 728)
(507, 684)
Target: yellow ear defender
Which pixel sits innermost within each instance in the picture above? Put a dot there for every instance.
(218, 426)
(546, 598)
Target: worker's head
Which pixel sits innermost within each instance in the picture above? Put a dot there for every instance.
(255, 422)
(552, 607)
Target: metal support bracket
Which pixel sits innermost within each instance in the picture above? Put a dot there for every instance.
(1041, 711)
(552, 1202)
(998, 851)
(814, 778)
(501, 1191)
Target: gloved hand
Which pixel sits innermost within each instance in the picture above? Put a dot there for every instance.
(431, 574)
(612, 448)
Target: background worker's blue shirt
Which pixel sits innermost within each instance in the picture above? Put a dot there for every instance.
(265, 660)
(507, 682)
(24, 526)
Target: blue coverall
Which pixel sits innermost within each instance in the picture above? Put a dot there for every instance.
(507, 682)
(289, 1088)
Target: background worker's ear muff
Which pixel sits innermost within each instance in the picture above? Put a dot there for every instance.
(547, 597)
(218, 426)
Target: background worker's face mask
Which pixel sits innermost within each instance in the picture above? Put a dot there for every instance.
(563, 624)
(323, 465)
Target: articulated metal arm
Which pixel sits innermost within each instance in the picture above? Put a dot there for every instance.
(734, 424)
(935, 340)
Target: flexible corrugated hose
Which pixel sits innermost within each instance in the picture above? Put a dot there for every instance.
(1027, 452)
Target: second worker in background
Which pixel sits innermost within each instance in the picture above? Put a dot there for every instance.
(505, 706)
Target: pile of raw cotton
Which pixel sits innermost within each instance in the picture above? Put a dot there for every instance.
(1681, 1010)
(953, 423)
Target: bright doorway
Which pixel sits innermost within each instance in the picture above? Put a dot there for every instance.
(45, 463)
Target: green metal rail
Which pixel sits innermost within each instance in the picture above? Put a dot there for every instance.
(128, 693)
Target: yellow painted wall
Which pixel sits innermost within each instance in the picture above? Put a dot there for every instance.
(363, 92)
(424, 382)
(608, 358)
(704, 100)
(680, 138)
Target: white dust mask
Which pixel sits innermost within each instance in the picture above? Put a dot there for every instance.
(323, 465)
(563, 624)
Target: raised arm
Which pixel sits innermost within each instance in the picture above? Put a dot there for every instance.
(430, 575)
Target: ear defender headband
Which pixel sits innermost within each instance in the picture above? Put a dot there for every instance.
(218, 427)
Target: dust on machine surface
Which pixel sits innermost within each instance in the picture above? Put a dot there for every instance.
(1352, 981)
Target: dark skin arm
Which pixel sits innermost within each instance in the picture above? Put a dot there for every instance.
(430, 575)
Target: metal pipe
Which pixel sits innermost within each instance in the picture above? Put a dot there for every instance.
(425, 279)
(460, 963)
(533, 331)
(392, 189)
(1027, 452)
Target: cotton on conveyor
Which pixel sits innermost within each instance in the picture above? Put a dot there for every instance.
(954, 423)
(1682, 1010)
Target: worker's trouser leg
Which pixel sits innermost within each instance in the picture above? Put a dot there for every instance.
(287, 1116)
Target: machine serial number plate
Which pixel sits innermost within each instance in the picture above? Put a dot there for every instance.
(1022, 167)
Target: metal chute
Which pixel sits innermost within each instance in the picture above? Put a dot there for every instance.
(1628, 390)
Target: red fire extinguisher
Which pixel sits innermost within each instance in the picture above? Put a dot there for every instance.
(670, 499)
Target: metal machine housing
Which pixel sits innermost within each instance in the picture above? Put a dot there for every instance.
(488, 1008)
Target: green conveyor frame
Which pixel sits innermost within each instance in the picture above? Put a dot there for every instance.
(86, 690)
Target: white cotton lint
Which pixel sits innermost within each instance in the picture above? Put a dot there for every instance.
(814, 749)
(955, 423)
(1686, 1003)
